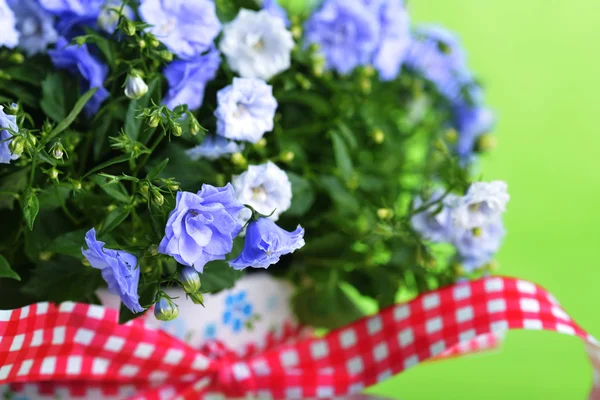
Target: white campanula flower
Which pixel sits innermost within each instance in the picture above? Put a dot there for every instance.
(257, 44)
(483, 203)
(214, 147)
(108, 18)
(9, 35)
(246, 109)
(266, 188)
(187, 28)
(135, 87)
(476, 247)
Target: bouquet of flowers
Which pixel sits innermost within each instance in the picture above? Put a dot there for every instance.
(152, 144)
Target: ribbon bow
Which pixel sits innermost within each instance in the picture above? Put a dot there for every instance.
(80, 345)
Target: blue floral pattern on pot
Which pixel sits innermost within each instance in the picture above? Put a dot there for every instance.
(238, 311)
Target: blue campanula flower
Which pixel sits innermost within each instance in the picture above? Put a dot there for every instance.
(187, 28)
(73, 13)
(484, 202)
(476, 247)
(10, 35)
(214, 147)
(78, 60)
(347, 32)
(188, 78)
(108, 17)
(202, 226)
(10, 122)
(238, 311)
(257, 44)
(273, 8)
(435, 223)
(246, 109)
(470, 121)
(119, 269)
(395, 36)
(265, 243)
(264, 187)
(35, 25)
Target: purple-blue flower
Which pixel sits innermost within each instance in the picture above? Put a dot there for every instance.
(35, 25)
(273, 8)
(9, 35)
(79, 61)
(471, 121)
(395, 36)
(476, 247)
(265, 243)
(434, 223)
(10, 122)
(188, 78)
(246, 109)
(187, 28)
(202, 226)
(108, 17)
(347, 33)
(119, 269)
(72, 13)
(214, 147)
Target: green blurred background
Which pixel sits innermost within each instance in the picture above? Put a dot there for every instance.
(540, 65)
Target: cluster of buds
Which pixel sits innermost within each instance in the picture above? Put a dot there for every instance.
(128, 146)
(169, 120)
(23, 141)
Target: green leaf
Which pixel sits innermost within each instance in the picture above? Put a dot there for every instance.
(21, 92)
(32, 74)
(303, 195)
(15, 182)
(348, 135)
(112, 161)
(53, 98)
(155, 172)
(31, 207)
(315, 102)
(342, 156)
(343, 199)
(325, 307)
(133, 124)
(63, 279)
(114, 219)
(65, 123)
(115, 190)
(6, 271)
(53, 197)
(218, 275)
(69, 243)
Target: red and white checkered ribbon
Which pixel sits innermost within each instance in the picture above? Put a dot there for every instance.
(81, 345)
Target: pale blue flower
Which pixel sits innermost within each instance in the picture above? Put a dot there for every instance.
(246, 110)
(347, 32)
(238, 311)
(202, 226)
(471, 121)
(119, 269)
(265, 243)
(9, 35)
(264, 187)
(187, 28)
(395, 36)
(108, 17)
(188, 79)
(257, 44)
(476, 247)
(484, 202)
(79, 61)
(214, 147)
(73, 13)
(435, 223)
(35, 25)
(7, 122)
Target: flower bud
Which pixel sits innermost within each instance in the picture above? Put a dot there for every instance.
(135, 87)
(53, 173)
(238, 159)
(190, 279)
(451, 135)
(174, 187)
(194, 127)
(486, 142)
(165, 309)
(144, 189)
(129, 28)
(76, 185)
(157, 197)
(12, 109)
(16, 146)
(177, 130)
(385, 213)
(58, 151)
(287, 156)
(142, 43)
(17, 58)
(378, 136)
(261, 144)
(166, 55)
(154, 42)
(80, 40)
(153, 121)
(365, 85)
